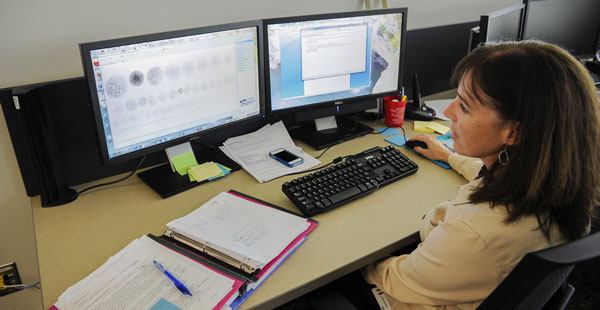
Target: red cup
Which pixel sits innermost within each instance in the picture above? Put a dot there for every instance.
(394, 110)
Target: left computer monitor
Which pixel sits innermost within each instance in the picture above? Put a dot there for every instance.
(151, 92)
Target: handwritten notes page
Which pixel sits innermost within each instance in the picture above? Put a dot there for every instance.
(129, 280)
(240, 228)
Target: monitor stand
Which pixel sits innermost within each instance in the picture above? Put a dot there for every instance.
(345, 129)
(167, 183)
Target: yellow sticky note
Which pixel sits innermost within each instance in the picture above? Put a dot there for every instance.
(205, 171)
(422, 126)
(439, 128)
(184, 162)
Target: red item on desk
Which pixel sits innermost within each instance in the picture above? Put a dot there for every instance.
(394, 110)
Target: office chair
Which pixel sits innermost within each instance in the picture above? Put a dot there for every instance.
(539, 281)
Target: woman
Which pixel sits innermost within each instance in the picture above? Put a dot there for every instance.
(526, 123)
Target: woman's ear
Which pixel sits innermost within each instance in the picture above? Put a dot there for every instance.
(513, 136)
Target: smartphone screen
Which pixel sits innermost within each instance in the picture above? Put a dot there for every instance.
(285, 155)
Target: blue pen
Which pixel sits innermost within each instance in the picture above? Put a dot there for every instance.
(177, 283)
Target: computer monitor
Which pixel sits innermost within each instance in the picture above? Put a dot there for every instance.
(573, 24)
(502, 25)
(152, 92)
(322, 66)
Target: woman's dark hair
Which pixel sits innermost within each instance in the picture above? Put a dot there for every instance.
(553, 171)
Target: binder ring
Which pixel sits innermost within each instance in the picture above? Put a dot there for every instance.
(242, 262)
(204, 247)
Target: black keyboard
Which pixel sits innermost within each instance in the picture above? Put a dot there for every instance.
(356, 176)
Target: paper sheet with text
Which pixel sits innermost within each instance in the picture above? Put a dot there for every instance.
(251, 151)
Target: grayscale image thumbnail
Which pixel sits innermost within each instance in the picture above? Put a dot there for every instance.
(155, 75)
(173, 72)
(131, 105)
(188, 68)
(142, 101)
(136, 78)
(202, 65)
(116, 86)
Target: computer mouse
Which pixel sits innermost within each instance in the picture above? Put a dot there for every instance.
(412, 143)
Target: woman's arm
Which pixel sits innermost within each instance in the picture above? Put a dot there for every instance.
(468, 167)
(452, 266)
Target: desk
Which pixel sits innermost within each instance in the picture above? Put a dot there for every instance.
(75, 239)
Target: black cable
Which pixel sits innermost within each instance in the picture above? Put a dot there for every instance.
(327, 149)
(403, 132)
(108, 183)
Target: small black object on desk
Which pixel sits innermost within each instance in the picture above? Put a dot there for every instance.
(412, 143)
(417, 110)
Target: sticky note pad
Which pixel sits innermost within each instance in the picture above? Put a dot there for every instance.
(389, 131)
(398, 140)
(164, 304)
(439, 128)
(225, 171)
(205, 171)
(184, 162)
(422, 126)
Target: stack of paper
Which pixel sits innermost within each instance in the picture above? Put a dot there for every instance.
(129, 280)
(251, 151)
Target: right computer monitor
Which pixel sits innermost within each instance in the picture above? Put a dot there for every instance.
(321, 66)
(572, 24)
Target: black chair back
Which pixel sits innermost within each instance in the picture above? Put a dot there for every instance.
(539, 279)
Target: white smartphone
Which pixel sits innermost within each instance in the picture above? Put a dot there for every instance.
(286, 157)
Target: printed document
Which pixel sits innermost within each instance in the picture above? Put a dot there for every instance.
(251, 151)
(129, 280)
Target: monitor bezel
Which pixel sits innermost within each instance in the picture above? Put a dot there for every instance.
(85, 49)
(331, 103)
(485, 19)
(596, 47)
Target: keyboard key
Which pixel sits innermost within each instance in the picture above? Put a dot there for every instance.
(341, 196)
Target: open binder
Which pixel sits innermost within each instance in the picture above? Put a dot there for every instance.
(190, 255)
(242, 268)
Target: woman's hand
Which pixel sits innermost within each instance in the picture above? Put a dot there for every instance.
(435, 149)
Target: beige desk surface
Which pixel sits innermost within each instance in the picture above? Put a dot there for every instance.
(75, 239)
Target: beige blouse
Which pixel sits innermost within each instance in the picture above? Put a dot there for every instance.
(466, 251)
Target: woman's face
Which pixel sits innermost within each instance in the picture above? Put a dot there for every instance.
(477, 129)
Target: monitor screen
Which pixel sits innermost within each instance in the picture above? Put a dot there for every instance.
(334, 57)
(572, 24)
(502, 25)
(151, 92)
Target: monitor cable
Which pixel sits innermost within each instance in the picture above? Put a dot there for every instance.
(403, 132)
(77, 194)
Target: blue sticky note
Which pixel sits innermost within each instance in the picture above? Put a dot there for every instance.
(398, 140)
(390, 131)
(164, 304)
(224, 173)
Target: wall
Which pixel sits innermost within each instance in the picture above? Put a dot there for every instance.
(17, 238)
(40, 43)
